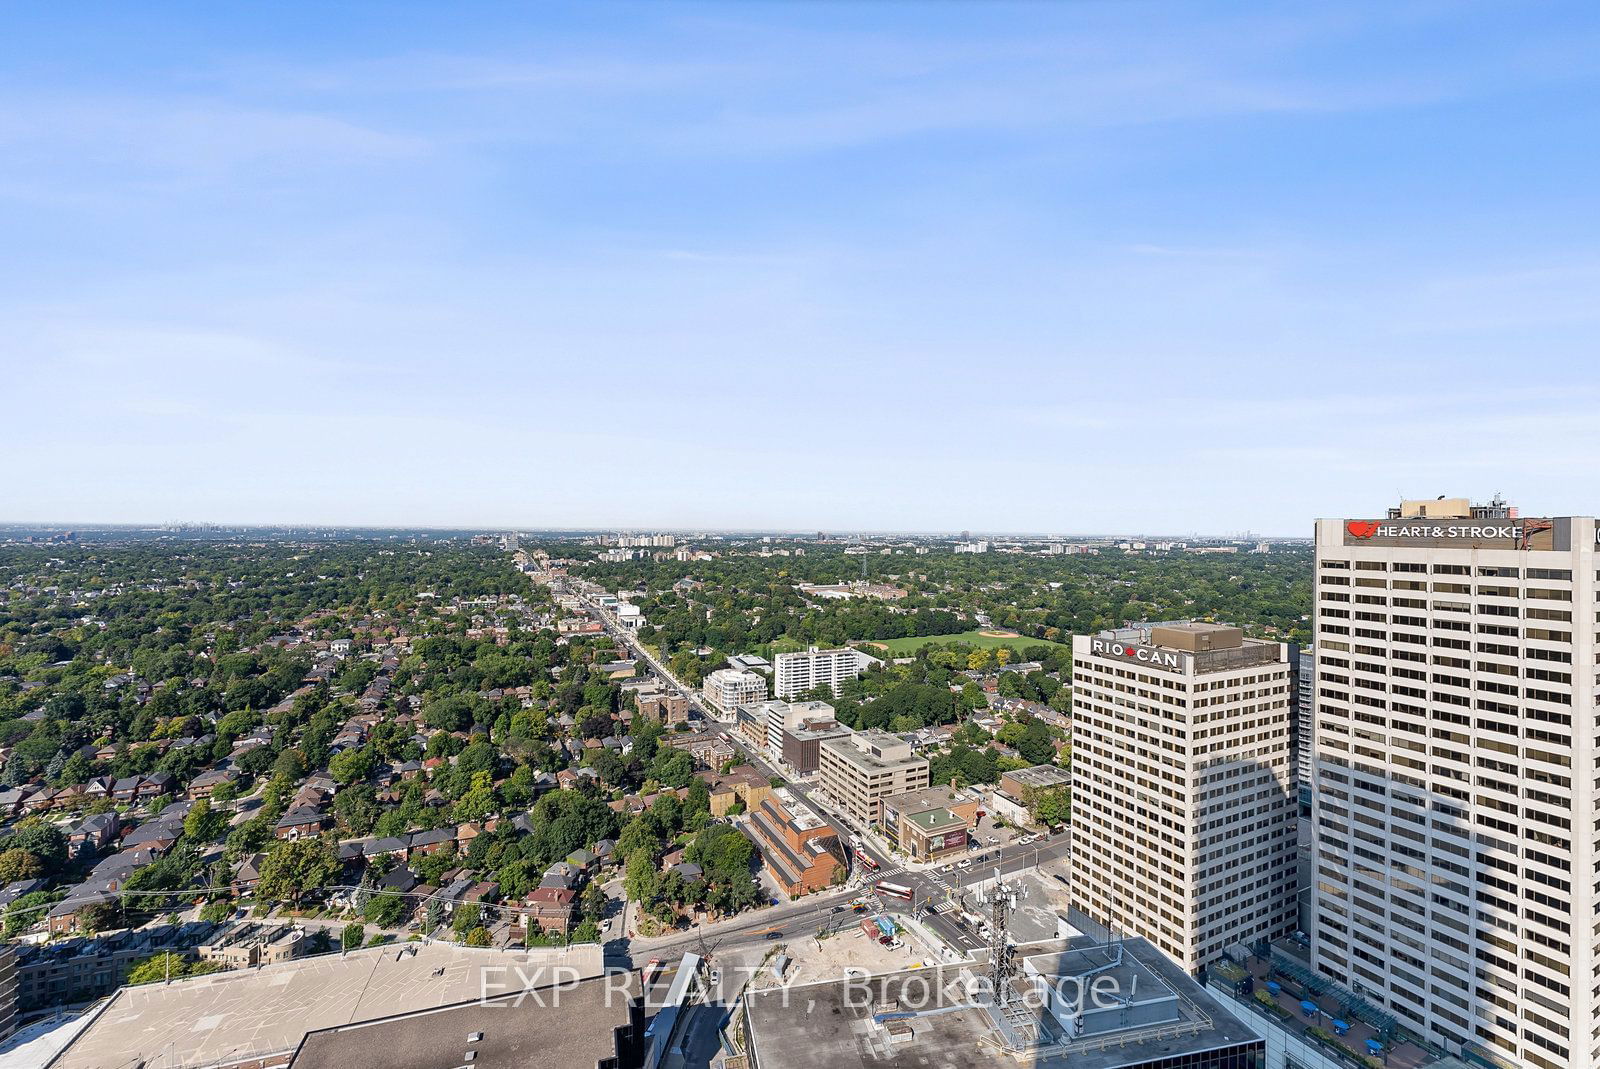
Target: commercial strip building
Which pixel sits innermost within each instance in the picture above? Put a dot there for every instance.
(1183, 797)
(1455, 741)
(1012, 798)
(930, 824)
(797, 673)
(260, 1017)
(858, 771)
(799, 849)
(728, 688)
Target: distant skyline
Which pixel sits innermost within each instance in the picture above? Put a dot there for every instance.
(1076, 267)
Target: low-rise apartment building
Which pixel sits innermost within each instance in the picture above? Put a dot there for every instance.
(669, 709)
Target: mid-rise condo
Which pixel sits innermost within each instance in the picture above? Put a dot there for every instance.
(797, 673)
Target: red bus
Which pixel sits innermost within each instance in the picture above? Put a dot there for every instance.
(894, 889)
(866, 862)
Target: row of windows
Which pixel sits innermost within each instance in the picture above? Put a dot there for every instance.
(1498, 571)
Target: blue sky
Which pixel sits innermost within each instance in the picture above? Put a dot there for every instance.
(1066, 267)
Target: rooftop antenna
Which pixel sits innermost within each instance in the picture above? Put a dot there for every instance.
(1004, 900)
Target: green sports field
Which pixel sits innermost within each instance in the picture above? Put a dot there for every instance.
(904, 647)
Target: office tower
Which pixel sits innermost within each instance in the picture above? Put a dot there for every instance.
(861, 769)
(1183, 811)
(797, 673)
(1455, 755)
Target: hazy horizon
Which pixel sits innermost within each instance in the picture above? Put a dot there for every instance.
(1121, 266)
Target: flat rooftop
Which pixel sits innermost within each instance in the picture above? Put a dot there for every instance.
(1041, 776)
(236, 1015)
(851, 749)
(932, 819)
(926, 1019)
(573, 1026)
(801, 815)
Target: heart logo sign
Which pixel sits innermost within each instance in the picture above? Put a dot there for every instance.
(1362, 528)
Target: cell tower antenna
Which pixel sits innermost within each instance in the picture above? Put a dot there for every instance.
(1001, 964)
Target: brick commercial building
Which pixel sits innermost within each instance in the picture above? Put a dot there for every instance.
(860, 770)
(930, 824)
(802, 744)
(1019, 785)
(799, 849)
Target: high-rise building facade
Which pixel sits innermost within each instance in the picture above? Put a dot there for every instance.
(797, 673)
(1183, 792)
(1305, 679)
(1456, 749)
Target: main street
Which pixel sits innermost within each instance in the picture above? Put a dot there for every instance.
(939, 895)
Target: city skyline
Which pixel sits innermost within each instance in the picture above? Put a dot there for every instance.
(918, 268)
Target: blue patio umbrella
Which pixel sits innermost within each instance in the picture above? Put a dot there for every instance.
(1308, 1007)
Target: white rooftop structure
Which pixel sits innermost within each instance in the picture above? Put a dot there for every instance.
(246, 1015)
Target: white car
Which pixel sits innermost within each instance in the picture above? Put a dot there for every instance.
(964, 863)
(716, 977)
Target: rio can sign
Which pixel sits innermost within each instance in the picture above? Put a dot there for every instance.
(1151, 655)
